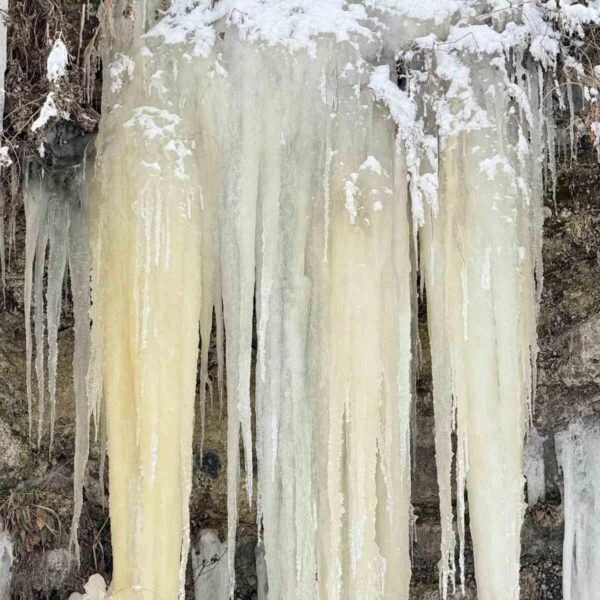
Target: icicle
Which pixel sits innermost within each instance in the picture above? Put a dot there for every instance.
(35, 243)
(58, 226)
(262, 586)
(7, 558)
(3, 40)
(238, 222)
(331, 490)
(578, 452)
(39, 312)
(147, 243)
(209, 567)
(485, 259)
(79, 270)
(2, 244)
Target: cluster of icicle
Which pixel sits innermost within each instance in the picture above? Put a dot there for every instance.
(262, 160)
(235, 173)
(57, 241)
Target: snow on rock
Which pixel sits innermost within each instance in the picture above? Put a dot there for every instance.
(47, 112)
(57, 62)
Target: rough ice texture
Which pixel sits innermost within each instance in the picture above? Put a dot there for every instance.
(279, 228)
(578, 452)
(209, 567)
(7, 558)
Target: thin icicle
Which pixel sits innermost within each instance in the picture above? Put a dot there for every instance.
(79, 270)
(2, 244)
(58, 226)
(36, 230)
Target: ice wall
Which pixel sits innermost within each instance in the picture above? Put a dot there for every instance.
(263, 161)
(306, 203)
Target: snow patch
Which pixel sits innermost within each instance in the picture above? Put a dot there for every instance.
(121, 66)
(47, 112)
(57, 62)
(5, 159)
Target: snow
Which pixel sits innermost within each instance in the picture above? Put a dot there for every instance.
(122, 65)
(47, 112)
(58, 59)
(372, 164)
(438, 11)
(183, 25)
(154, 122)
(296, 23)
(5, 159)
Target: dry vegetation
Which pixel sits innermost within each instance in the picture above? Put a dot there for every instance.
(33, 27)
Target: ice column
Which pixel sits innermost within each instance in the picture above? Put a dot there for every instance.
(478, 254)
(147, 284)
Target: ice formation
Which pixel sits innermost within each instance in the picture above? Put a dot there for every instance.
(4, 158)
(209, 567)
(262, 584)
(7, 558)
(95, 589)
(257, 197)
(56, 238)
(298, 163)
(578, 454)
